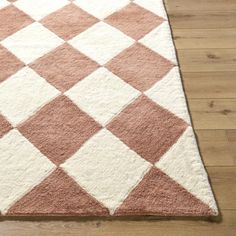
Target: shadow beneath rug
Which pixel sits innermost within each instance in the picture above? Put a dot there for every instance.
(215, 219)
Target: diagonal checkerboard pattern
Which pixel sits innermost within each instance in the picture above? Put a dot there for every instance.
(93, 118)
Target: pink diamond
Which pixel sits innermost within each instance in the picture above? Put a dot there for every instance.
(59, 129)
(64, 67)
(5, 126)
(139, 66)
(68, 21)
(147, 128)
(134, 21)
(12, 20)
(9, 64)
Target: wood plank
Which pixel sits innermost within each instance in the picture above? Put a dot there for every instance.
(124, 228)
(201, 5)
(213, 113)
(231, 134)
(210, 84)
(205, 38)
(207, 60)
(223, 183)
(215, 148)
(196, 19)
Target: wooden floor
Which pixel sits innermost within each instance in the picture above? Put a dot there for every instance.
(205, 37)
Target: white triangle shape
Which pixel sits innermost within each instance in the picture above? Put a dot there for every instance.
(168, 93)
(160, 41)
(183, 164)
(155, 6)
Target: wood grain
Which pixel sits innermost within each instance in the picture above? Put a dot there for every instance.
(207, 60)
(231, 135)
(196, 19)
(215, 148)
(205, 36)
(213, 113)
(210, 84)
(223, 182)
(201, 5)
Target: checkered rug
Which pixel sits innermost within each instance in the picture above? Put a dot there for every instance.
(93, 115)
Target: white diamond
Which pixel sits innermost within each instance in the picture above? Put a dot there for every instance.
(38, 9)
(102, 95)
(22, 167)
(183, 164)
(155, 6)
(107, 169)
(31, 42)
(168, 93)
(3, 3)
(101, 8)
(24, 93)
(160, 41)
(101, 42)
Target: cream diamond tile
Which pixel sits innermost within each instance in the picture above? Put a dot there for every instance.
(3, 3)
(107, 169)
(155, 6)
(22, 168)
(101, 8)
(102, 95)
(190, 172)
(101, 42)
(31, 42)
(38, 9)
(160, 41)
(168, 93)
(23, 93)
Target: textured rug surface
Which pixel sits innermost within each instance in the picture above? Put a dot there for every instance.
(93, 115)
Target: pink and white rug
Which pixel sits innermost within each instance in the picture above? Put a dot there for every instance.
(93, 115)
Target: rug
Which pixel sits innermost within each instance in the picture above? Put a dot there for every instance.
(93, 118)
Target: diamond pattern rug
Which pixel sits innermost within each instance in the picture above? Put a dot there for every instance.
(93, 115)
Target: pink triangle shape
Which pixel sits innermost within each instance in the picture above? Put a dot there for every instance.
(158, 194)
(58, 194)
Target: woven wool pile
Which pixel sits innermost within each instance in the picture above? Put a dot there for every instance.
(93, 115)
